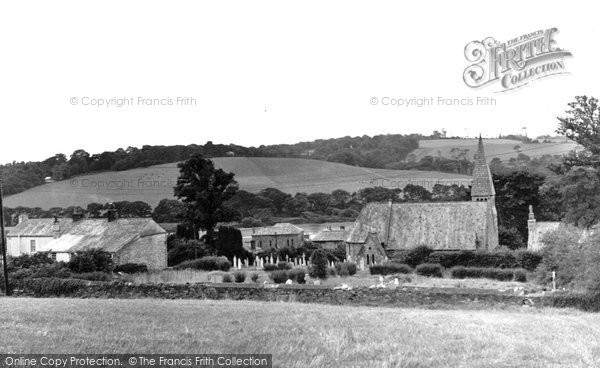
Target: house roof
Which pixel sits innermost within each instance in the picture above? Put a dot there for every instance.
(331, 235)
(39, 227)
(283, 228)
(447, 225)
(88, 233)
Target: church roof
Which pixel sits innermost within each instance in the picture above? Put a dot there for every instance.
(482, 185)
(447, 225)
(331, 235)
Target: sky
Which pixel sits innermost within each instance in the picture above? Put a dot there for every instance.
(267, 72)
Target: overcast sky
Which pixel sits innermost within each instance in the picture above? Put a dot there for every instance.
(265, 72)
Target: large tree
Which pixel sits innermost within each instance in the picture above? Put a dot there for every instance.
(204, 190)
(582, 123)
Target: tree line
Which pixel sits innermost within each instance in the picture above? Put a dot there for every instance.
(378, 151)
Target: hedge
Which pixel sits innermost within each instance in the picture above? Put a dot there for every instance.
(500, 274)
(430, 269)
(486, 259)
(206, 264)
(389, 268)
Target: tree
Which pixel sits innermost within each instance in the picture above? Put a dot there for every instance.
(318, 264)
(229, 243)
(94, 209)
(168, 210)
(510, 237)
(581, 196)
(379, 194)
(515, 191)
(340, 198)
(582, 123)
(277, 197)
(416, 193)
(247, 203)
(450, 193)
(204, 190)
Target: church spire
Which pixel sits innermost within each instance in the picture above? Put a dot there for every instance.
(483, 186)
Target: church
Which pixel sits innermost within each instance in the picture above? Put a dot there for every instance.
(384, 228)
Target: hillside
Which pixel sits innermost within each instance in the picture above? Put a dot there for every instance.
(154, 183)
(501, 148)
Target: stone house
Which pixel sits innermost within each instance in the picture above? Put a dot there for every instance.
(129, 240)
(277, 236)
(438, 225)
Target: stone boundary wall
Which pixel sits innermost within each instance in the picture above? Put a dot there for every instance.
(363, 296)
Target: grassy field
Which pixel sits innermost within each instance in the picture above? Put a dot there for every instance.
(252, 173)
(501, 148)
(304, 335)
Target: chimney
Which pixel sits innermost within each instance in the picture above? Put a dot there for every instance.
(23, 217)
(56, 228)
(531, 230)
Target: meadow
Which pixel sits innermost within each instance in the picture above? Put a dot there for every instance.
(151, 184)
(304, 335)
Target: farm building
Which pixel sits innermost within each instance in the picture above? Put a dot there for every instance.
(277, 236)
(441, 226)
(129, 240)
(330, 239)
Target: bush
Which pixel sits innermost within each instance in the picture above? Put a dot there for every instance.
(270, 267)
(297, 275)
(254, 277)
(21, 273)
(344, 269)
(318, 264)
(520, 276)
(30, 260)
(239, 276)
(284, 266)
(227, 278)
(528, 260)
(181, 250)
(351, 268)
(341, 269)
(92, 276)
(331, 271)
(390, 268)
(279, 276)
(429, 269)
(131, 268)
(206, 264)
(93, 260)
(57, 269)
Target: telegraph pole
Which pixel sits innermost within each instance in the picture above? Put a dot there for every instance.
(7, 290)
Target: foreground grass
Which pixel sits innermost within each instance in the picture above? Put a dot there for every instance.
(303, 335)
